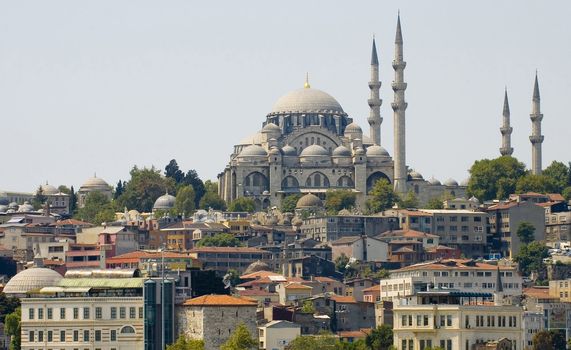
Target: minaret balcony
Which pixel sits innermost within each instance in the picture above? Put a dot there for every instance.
(506, 130)
(398, 86)
(536, 139)
(399, 106)
(374, 85)
(374, 102)
(536, 117)
(506, 151)
(399, 64)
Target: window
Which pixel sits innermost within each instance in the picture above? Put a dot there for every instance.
(86, 335)
(75, 335)
(50, 336)
(98, 313)
(425, 320)
(141, 312)
(62, 313)
(86, 313)
(464, 218)
(40, 314)
(113, 312)
(132, 312)
(40, 336)
(31, 336)
(448, 320)
(75, 313)
(31, 314)
(98, 335)
(62, 336)
(50, 313)
(113, 335)
(453, 218)
(122, 312)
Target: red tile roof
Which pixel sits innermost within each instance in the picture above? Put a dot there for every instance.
(406, 233)
(219, 300)
(343, 299)
(227, 250)
(456, 264)
(374, 288)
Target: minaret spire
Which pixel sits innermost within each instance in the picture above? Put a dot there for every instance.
(399, 107)
(536, 138)
(506, 129)
(374, 101)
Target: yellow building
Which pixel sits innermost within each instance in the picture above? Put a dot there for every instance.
(560, 289)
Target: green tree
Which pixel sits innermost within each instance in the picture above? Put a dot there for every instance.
(336, 200)
(409, 201)
(559, 174)
(39, 198)
(212, 200)
(313, 342)
(183, 343)
(173, 171)
(191, 178)
(567, 193)
(219, 240)
(435, 203)
(184, 203)
(485, 176)
(382, 196)
(144, 187)
(308, 307)
(12, 328)
(97, 209)
(380, 338)
(536, 183)
(211, 186)
(72, 201)
(341, 262)
(242, 204)
(525, 232)
(240, 339)
(548, 340)
(119, 189)
(7, 305)
(64, 189)
(289, 202)
(530, 257)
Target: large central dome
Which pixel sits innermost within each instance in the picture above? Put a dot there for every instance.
(307, 100)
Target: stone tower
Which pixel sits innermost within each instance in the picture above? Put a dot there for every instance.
(506, 129)
(399, 106)
(536, 138)
(374, 101)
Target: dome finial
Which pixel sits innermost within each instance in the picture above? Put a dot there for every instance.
(306, 84)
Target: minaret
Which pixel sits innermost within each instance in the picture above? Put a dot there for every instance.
(374, 101)
(536, 138)
(506, 129)
(399, 106)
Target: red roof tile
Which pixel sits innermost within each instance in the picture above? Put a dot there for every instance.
(219, 300)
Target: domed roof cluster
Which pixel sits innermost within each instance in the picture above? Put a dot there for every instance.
(309, 201)
(434, 182)
(164, 202)
(48, 189)
(342, 151)
(450, 182)
(26, 207)
(377, 151)
(314, 151)
(32, 279)
(307, 100)
(253, 151)
(271, 128)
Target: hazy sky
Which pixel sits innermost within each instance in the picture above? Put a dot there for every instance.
(101, 86)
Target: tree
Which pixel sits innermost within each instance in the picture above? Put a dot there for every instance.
(191, 178)
(526, 232)
(548, 340)
(184, 203)
(382, 196)
(308, 307)
(536, 183)
(212, 200)
(39, 198)
(341, 262)
(380, 338)
(119, 189)
(313, 342)
(219, 240)
(97, 209)
(530, 257)
(144, 187)
(336, 200)
(240, 339)
(559, 174)
(7, 306)
(435, 203)
(211, 186)
(173, 171)
(567, 193)
(64, 189)
(242, 204)
(410, 201)
(485, 176)
(12, 328)
(290, 202)
(183, 343)
(72, 201)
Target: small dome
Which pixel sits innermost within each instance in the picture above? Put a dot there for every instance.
(416, 175)
(353, 128)
(32, 279)
(257, 266)
(307, 101)
(13, 205)
(314, 151)
(377, 151)
(26, 207)
(450, 182)
(271, 128)
(359, 151)
(95, 183)
(308, 201)
(257, 138)
(164, 202)
(289, 151)
(342, 151)
(434, 181)
(3, 208)
(48, 189)
(274, 151)
(253, 151)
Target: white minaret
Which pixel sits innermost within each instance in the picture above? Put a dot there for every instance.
(506, 129)
(399, 106)
(536, 138)
(374, 101)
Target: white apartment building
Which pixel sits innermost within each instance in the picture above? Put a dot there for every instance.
(462, 275)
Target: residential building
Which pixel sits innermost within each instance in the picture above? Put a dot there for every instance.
(213, 318)
(557, 226)
(276, 335)
(560, 289)
(356, 287)
(333, 227)
(361, 248)
(308, 266)
(183, 235)
(290, 292)
(117, 240)
(222, 259)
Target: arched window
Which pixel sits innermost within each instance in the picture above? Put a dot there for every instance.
(256, 183)
(290, 182)
(127, 330)
(317, 179)
(345, 181)
(374, 177)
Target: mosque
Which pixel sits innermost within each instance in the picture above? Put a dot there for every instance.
(308, 144)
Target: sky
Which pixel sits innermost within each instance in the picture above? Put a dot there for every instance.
(101, 86)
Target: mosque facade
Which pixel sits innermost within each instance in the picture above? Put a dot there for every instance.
(309, 144)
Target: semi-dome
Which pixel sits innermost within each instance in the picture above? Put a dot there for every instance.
(32, 279)
(26, 207)
(271, 128)
(308, 201)
(288, 150)
(253, 151)
(377, 151)
(314, 151)
(307, 100)
(48, 189)
(434, 181)
(415, 175)
(164, 202)
(450, 182)
(95, 182)
(342, 151)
